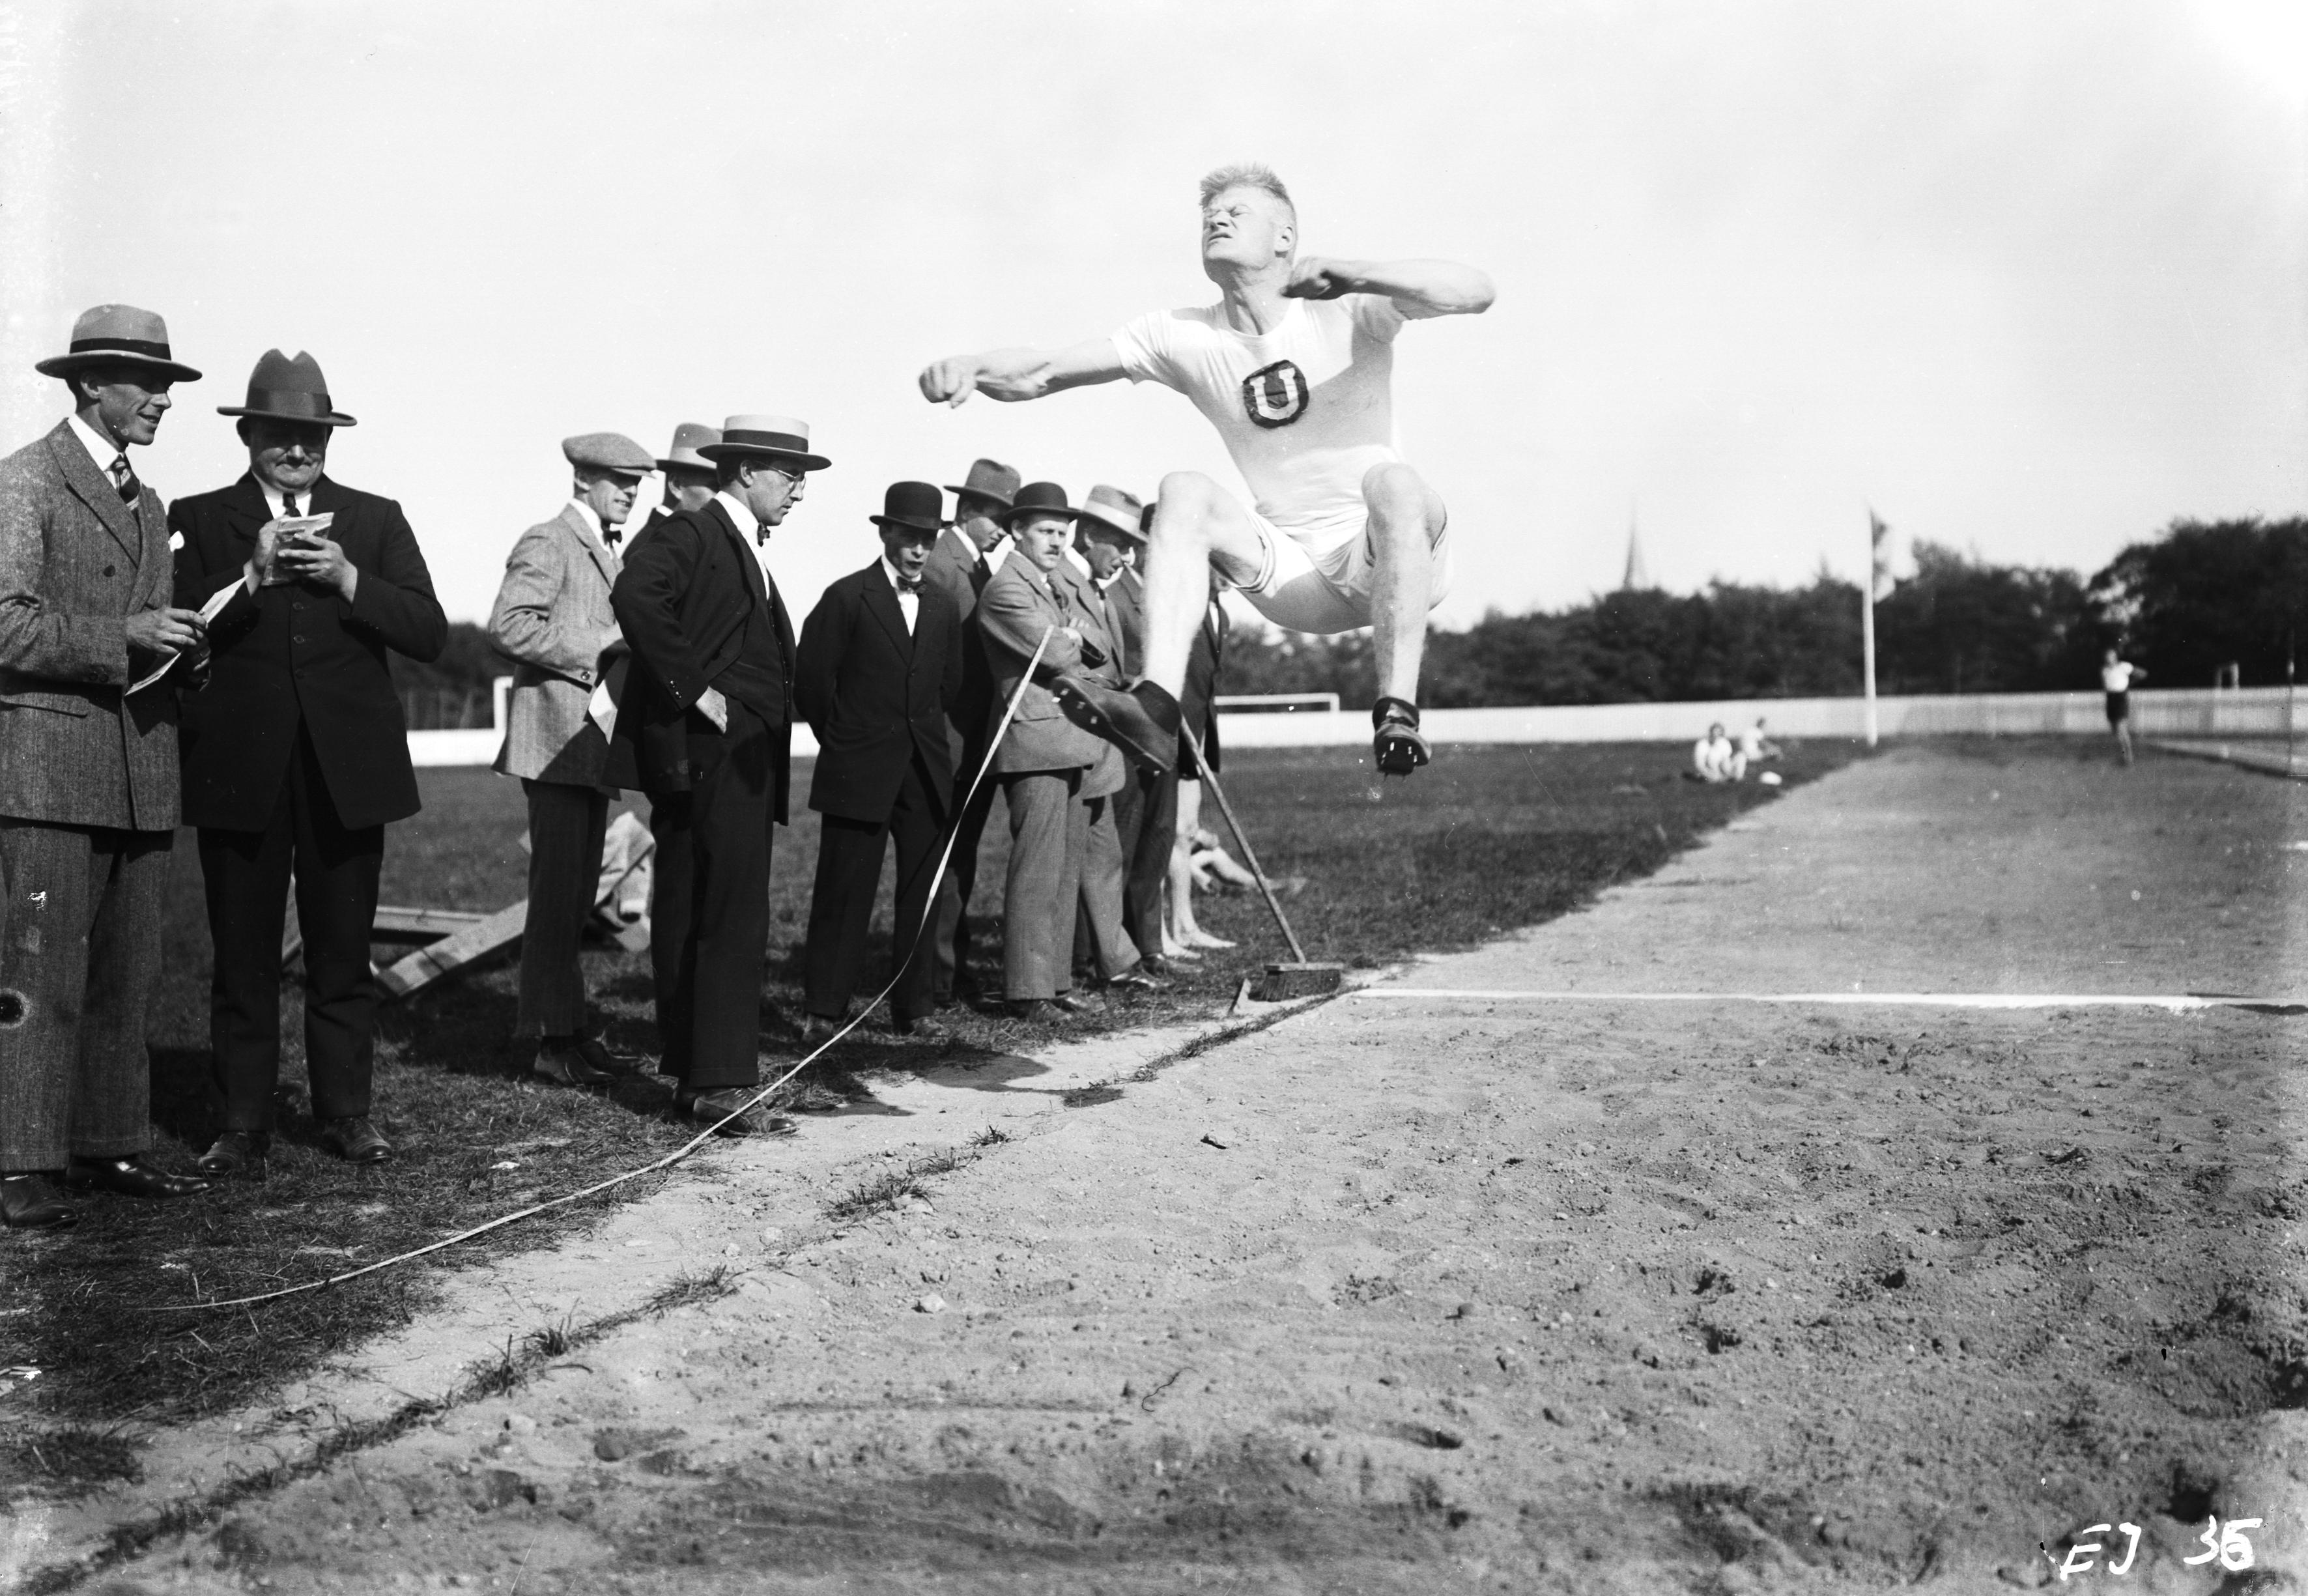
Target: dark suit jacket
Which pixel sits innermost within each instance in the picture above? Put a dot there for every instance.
(1126, 596)
(75, 563)
(961, 576)
(696, 614)
(296, 654)
(877, 695)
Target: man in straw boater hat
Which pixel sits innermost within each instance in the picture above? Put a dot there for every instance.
(879, 664)
(1293, 367)
(552, 618)
(959, 566)
(709, 707)
(88, 776)
(688, 475)
(295, 755)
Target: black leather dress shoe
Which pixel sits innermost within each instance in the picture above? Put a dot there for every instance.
(713, 1107)
(1077, 1003)
(1158, 964)
(131, 1177)
(1138, 978)
(33, 1202)
(563, 1061)
(236, 1155)
(1038, 1009)
(922, 1028)
(355, 1140)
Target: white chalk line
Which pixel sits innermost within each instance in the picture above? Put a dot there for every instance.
(2176, 1002)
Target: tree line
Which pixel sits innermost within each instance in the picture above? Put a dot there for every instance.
(2199, 596)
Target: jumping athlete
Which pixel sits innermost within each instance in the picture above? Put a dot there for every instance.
(1293, 366)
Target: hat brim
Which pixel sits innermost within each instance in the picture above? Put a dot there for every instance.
(58, 366)
(1099, 513)
(685, 465)
(1018, 512)
(718, 452)
(1003, 499)
(908, 522)
(332, 420)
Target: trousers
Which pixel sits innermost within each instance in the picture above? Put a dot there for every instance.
(1049, 826)
(248, 874)
(80, 945)
(849, 855)
(952, 936)
(565, 826)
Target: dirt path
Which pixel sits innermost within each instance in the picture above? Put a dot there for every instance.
(1460, 1295)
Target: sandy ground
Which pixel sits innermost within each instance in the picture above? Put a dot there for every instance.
(1442, 1295)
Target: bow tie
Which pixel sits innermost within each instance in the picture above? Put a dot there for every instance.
(612, 535)
(907, 586)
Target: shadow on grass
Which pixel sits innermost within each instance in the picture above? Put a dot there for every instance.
(1486, 840)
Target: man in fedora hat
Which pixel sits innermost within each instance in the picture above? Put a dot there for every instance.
(295, 753)
(88, 776)
(1046, 763)
(1105, 536)
(879, 666)
(688, 475)
(1293, 366)
(553, 619)
(960, 563)
(709, 705)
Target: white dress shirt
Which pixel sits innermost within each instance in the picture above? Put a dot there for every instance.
(100, 449)
(749, 528)
(277, 502)
(909, 604)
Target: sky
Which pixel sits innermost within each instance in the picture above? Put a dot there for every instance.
(2029, 279)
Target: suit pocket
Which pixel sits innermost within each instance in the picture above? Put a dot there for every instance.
(61, 703)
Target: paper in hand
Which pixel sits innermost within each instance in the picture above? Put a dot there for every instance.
(298, 529)
(209, 612)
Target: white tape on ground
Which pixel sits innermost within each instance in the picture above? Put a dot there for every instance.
(2176, 1002)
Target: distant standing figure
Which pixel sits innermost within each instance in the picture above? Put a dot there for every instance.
(2117, 677)
(1715, 758)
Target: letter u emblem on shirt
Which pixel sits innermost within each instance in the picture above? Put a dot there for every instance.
(1275, 395)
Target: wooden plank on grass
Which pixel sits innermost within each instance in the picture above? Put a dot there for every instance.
(395, 923)
(482, 938)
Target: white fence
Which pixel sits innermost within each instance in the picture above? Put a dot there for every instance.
(2179, 712)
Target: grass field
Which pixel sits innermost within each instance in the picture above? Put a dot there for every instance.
(1489, 838)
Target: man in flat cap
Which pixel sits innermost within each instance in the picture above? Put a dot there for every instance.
(688, 475)
(295, 754)
(88, 777)
(880, 662)
(709, 706)
(553, 619)
(959, 566)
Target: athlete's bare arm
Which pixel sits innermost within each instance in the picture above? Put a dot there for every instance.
(1012, 374)
(1419, 288)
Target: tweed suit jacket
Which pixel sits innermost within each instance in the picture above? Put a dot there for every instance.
(75, 563)
(296, 656)
(552, 618)
(1109, 772)
(955, 570)
(876, 694)
(1012, 613)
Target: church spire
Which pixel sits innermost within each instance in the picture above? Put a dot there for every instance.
(1636, 577)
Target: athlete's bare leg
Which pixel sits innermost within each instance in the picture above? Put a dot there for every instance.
(1197, 528)
(1406, 517)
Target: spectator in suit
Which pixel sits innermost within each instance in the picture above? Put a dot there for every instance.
(1046, 761)
(960, 563)
(552, 618)
(879, 664)
(295, 754)
(688, 475)
(709, 707)
(88, 777)
(1108, 535)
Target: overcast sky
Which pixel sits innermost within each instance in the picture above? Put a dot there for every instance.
(2031, 278)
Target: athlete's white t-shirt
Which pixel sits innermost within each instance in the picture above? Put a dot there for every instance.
(2116, 677)
(1306, 409)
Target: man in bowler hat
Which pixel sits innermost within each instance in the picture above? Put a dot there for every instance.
(880, 665)
(709, 705)
(295, 755)
(553, 619)
(959, 566)
(88, 776)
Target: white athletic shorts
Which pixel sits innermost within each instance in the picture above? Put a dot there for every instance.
(1300, 592)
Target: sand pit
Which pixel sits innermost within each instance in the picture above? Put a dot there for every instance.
(1464, 1294)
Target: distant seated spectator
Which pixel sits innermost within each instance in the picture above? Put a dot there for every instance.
(1715, 758)
(1754, 748)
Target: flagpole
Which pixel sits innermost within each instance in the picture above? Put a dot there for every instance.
(1867, 620)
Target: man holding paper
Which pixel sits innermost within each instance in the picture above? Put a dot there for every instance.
(88, 777)
(295, 754)
(552, 618)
